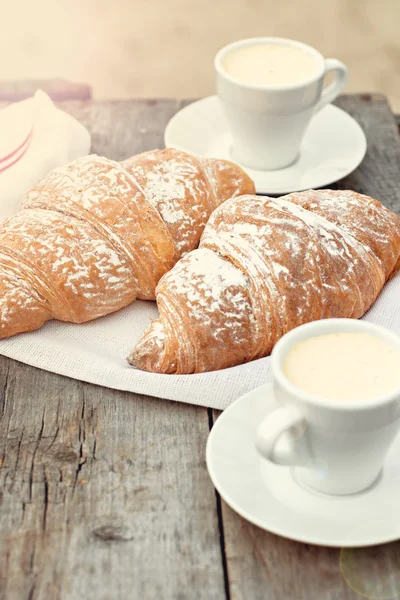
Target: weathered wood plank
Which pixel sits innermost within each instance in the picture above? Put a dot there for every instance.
(122, 128)
(267, 567)
(379, 173)
(58, 89)
(104, 494)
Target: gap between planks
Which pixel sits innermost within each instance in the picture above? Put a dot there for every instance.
(220, 522)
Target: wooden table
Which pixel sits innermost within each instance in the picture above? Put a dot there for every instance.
(105, 494)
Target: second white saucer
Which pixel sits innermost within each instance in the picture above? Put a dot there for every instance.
(333, 147)
(268, 495)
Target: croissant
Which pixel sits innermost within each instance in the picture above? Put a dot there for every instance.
(97, 234)
(265, 266)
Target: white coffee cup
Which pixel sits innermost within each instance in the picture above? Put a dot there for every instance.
(336, 447)
(268, 123)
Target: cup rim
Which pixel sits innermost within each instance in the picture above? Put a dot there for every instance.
(225, 50)
(322, 327)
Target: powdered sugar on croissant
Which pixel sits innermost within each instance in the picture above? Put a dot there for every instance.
(95, 235)
(263, 267)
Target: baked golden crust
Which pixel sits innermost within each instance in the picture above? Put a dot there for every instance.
(97, 234)
(265, 266)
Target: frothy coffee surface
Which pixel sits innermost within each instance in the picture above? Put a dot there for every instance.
(271, 64)
(344, 366)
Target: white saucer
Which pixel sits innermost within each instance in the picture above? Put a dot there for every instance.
(268, 495)
(333, 147)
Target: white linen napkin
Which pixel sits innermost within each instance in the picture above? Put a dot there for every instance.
(35, 137)
(96, 352)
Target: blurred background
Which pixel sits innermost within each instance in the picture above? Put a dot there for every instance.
(127, 48)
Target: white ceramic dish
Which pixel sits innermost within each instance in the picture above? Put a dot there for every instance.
(334, 145)
(269, 496)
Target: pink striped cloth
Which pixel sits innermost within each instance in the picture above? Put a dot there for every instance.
(35, 137)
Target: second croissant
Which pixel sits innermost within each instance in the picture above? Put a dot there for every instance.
(265, 266)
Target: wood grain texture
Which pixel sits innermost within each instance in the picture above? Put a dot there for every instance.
(122, 128)
(379, 173)
(104, 494)
(58, 89)
(267, 567)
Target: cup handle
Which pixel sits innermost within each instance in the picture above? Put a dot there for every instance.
(271, 429)
(333, 90)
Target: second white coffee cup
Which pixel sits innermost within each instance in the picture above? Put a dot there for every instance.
(336, 447)
(268, 122)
